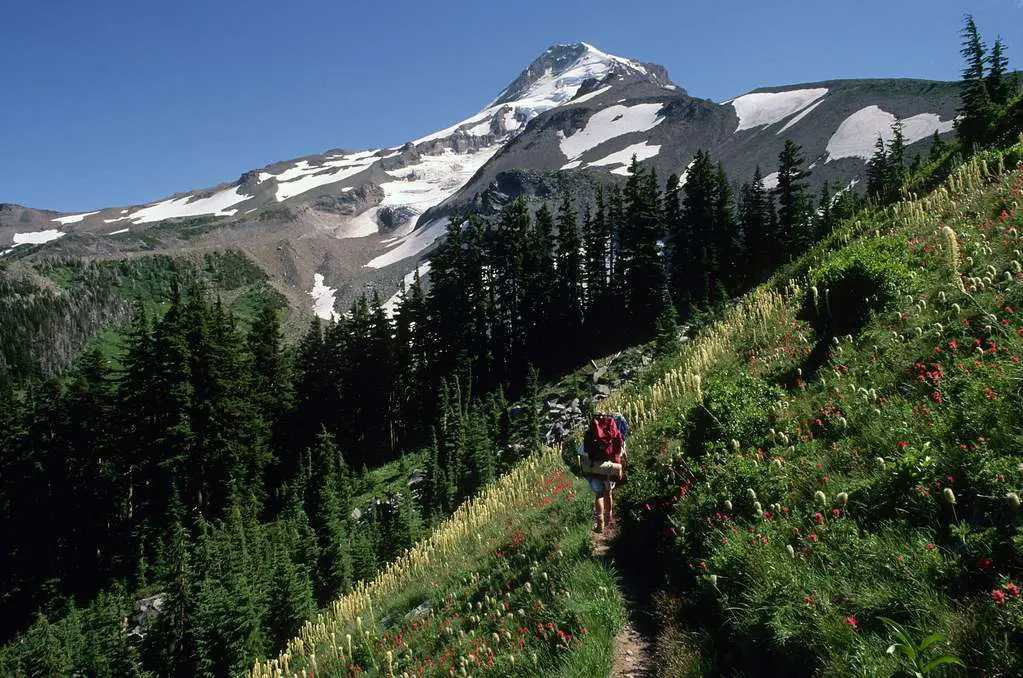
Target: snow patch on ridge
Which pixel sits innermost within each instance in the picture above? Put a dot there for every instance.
(642, 151)
(857, 135)
(360, 226)
(412, 244)
(611, 122)
(216, 204)
(37, 237)
(304, 177)
(592, 95)
(770, 181)
(796, 119)
(433, 179)
(323, 298)
(74, 218)
(480, 130)
(760, 109)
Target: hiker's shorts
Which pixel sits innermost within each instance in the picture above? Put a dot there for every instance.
(599, 486)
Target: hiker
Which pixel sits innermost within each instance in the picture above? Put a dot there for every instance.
(603, 451)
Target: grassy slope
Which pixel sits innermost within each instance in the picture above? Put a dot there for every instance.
(745, 443)
(506, 586)
(814, 481)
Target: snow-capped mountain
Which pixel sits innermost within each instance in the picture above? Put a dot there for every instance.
(329, 225)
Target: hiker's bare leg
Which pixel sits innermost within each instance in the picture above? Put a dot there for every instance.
(609, 506)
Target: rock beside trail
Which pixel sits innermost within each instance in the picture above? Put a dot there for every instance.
(145, 611)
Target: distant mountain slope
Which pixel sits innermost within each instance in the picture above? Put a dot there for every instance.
(329, 226)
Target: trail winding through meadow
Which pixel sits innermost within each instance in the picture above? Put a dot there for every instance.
(633, 650)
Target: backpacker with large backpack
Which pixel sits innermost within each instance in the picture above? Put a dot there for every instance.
(602, 447)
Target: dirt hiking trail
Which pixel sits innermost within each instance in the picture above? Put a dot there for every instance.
(634, 643)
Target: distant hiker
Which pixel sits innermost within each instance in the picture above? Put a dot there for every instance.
(603, 450)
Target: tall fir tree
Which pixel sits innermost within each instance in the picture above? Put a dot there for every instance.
(997, 79)
(568, 297)
(973, 121)
(694, 255)
(937, 147)
(878, 172)
(268, 376)
(761, 243)
(540, 299)
(507, 245)
(728, 243)
(642, 268)
(794, 206)
(413, 364)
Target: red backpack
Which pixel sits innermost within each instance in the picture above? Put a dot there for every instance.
(603, 440)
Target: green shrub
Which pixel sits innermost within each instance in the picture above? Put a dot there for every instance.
(866, 276)
(734, 408)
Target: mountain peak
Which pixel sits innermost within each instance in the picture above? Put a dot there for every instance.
(556, 75)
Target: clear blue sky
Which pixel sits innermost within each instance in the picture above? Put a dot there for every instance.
(116, 102)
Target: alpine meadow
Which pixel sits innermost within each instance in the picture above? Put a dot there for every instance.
(329, 419)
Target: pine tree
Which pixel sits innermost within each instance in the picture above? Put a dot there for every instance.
(642, 268)
(824, 215)
(304, 547)
(229, 445)
(91, 475)
(268, 374)
(110, 652)
(896, 161)
(411, 340)
(598, 245)
(364, 548)
(137, 431)
(793, 202)
(480, 447)
(45, 654)
(290, 603)
(229, 610)
(407, 523)
(540, 298)
(675, 237)
(666, 338)
(313, 389)
(170, 645)
(694, 255)
(727, 239)
(760, 241)
(975, 102)
(997, 83)
(618, 285)
(328, 505)
(568, 298)
(878, 172)
(433, 489)
(507, 246)
(379, 369)
(526, 429)
(597, 242)
(451, 444)
(937, 146)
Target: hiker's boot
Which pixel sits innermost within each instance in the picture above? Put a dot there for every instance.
(598, 523)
